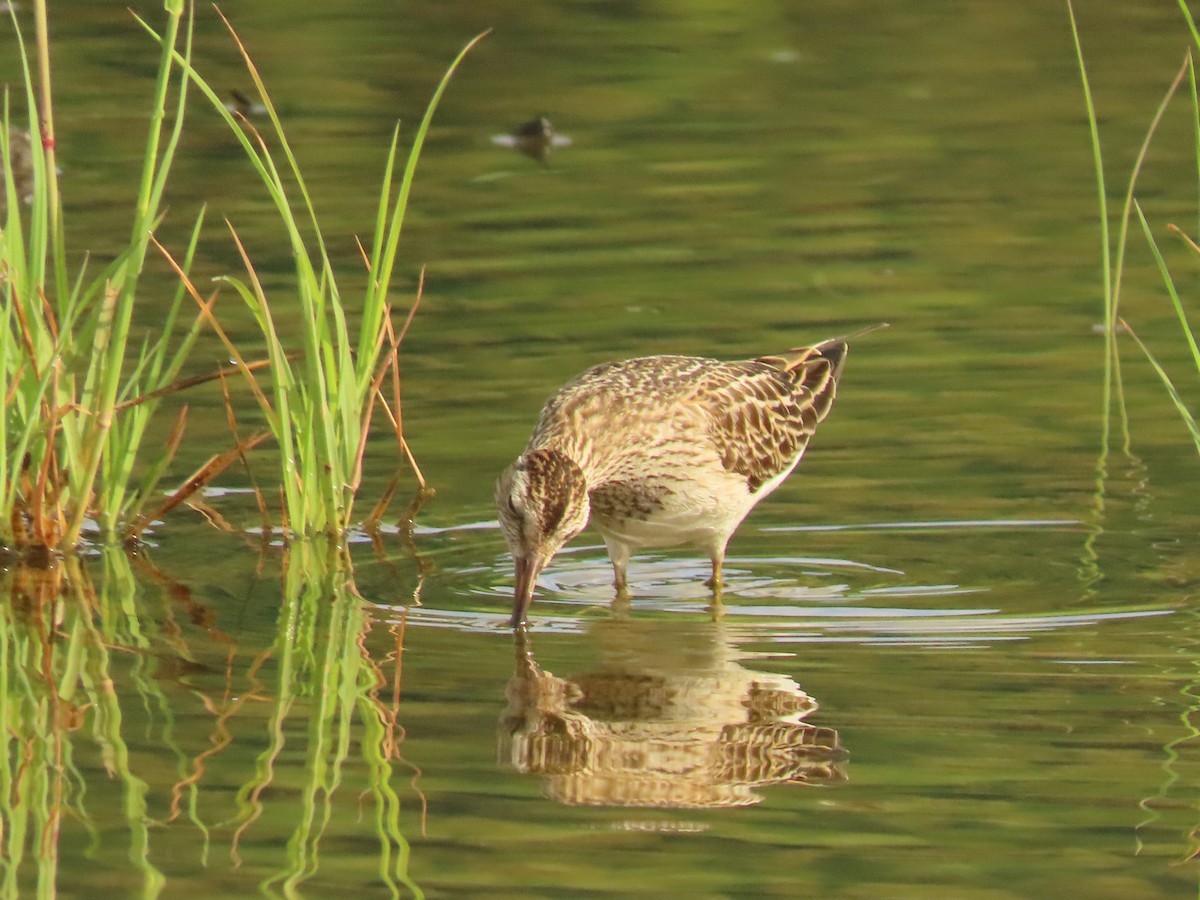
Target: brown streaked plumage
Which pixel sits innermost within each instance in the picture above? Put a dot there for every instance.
(661, 450)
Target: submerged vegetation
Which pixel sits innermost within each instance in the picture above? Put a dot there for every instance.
(80, 393)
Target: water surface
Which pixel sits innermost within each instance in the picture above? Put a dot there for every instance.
(957, 656)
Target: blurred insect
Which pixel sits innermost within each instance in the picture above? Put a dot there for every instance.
(534, 138)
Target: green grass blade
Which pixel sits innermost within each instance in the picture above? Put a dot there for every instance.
(1180, 313)
(1098, 163)
(1139, 161)
(319, 406)
(160, 376)
(377, 297)
(1188, 419)
(1195, 99)
(385, 198)
(1187, 15)
(1173, 293)
(1169, 283)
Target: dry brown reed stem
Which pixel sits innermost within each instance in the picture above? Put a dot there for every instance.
(395, 412)
(364, 428)
(210, 515)
(206, 311)
(174, 439)
(192, 381)
(1183, 234)
(231, 421)
(201, 477)
(47, 486)
(27, 333)
(285, 521)
(371, 522)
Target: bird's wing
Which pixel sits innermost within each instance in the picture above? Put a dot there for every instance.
(763, 412)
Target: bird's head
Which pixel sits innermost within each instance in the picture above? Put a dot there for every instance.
(543, 502)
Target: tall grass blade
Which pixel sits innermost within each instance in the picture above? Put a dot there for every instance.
(65, 348)
(1180, 405)
(320, 408)
(1188, 334)
(1098, 163)
(384, 260)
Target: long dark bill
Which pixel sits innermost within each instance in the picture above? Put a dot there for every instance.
(528, 569)
(835, 349)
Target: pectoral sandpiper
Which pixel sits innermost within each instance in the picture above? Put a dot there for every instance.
(659, 451)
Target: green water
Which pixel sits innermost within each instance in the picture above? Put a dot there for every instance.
(958, 653)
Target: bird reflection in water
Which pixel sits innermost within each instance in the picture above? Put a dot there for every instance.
(668, 719)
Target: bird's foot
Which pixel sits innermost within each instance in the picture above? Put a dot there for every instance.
(716, 582)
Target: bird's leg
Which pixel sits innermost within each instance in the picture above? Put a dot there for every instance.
(620, 584)
(619, 554)
(716, 582)
(717, 607)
